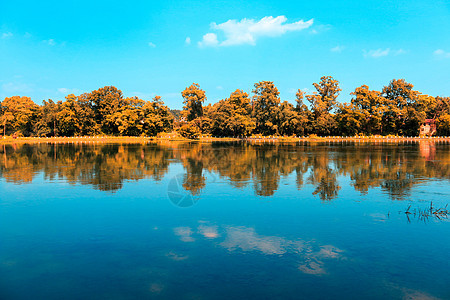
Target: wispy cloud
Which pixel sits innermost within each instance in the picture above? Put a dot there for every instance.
(187, 41)
(50, 42)
(67, 91)
(399, 52)
(247, 31)
(383, 52)
(151, 45)
(337, 49)
(378, 53)
(6, 35)
(441, 53)
(17, 88)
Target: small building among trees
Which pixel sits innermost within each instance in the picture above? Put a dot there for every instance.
(428, 128)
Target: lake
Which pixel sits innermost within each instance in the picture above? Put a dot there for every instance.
(219, 220)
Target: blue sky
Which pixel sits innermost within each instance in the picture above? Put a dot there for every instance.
(49, 49)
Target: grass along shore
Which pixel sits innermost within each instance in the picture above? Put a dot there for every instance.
(174, 137)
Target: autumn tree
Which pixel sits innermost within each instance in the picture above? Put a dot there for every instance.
(70, 117)
(401, 100)
(350, 119)
(289, 121)
(303, 114)
(5, 117)
(46, 123)
(105, 102)
(232, 116)
(129, 117)
(323, 102)
(193, 98)
(19, 114)
(442, 115)
(156, 117)
(86, 115)
(369, 108)
(266, 103)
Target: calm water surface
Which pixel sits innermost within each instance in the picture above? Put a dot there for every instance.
(224, 221)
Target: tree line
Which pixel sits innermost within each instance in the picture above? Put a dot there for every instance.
(397, 109)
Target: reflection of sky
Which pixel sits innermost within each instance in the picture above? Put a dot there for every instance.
(311, 255)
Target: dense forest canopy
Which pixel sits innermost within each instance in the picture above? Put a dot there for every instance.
(397, 109)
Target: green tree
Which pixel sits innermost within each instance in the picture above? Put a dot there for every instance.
(266, 103)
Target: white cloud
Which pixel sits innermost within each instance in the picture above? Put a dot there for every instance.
(247, 31)
(50, 42)
(67, 91)
(185, 234)
(27, 35)
(6, 35)
(378, 53)
(337, 49)
(441, 53)
(150, 44)
(209, 39)
(17, 88)
(188, 41)
(383, 52)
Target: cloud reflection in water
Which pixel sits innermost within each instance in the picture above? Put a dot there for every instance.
(311, 255)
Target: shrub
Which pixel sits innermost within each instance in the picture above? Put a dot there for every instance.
(189, 131)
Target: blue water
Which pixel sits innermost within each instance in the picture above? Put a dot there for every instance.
(224, 221)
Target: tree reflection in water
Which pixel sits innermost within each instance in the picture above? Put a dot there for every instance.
(393, 167)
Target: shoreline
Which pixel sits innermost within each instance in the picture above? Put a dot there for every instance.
(124, 139)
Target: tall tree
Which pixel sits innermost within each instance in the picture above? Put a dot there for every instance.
(401, 101)
(289, 119)
(70, 117)
(87, 115)
(231, 117)
(193, 100)
(46, 124)
(105, 103)
(303, 114)
(323, 102)
(156, 117)
(128, 117)
(266, 103)
(5, 117)
(19, 114)
(370, 108)
(350, 119)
